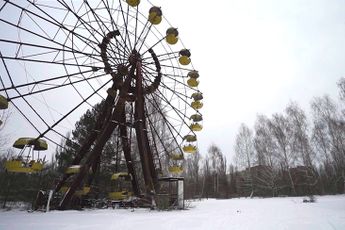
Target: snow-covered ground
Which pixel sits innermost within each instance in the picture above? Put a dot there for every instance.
(269, 213)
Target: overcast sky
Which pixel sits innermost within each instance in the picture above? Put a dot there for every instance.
(256, 56)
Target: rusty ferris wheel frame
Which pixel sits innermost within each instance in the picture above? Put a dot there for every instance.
(108, 46)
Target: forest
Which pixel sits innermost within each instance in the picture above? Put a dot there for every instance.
(291, 153)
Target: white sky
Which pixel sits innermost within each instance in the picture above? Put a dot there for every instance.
(256, 56)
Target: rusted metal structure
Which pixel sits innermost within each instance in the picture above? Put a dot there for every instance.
(102, 51)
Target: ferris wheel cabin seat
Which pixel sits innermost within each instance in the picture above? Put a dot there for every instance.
(190, 148)
(171, 36)
(176, 169)
(184, 57)
(21, 165)
(196, 117)
(196, 127)
(177, 157)
(121, 178)
(155, 15)
(190, 138)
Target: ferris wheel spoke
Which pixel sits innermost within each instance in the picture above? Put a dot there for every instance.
(118, 45)
(96, 17)
(181, 95)
(32, 92)
(160, 55)
(144, 38)
(171, 129)
(115, 27)
(162, 60)
(87, 80)
(155, 104)
(136, 25)
(107, 7)
(52, 51)
(158, 136)
(178, 112)
(141, 33)
(45, 81)
(172, 76)
(26, 101)
(126, 25)
(26, 118)
(85, 24)
(2, 7)
(33, 33)
(179, 68)
(46, 62)
(75, 108)
(151, 47)
(53, 21)
(98, 20)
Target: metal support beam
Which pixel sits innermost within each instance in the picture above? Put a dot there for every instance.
(101, 119)
(107, 130)
(149, 171)
(127, 152)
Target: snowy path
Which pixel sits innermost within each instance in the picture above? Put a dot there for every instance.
(269, 213)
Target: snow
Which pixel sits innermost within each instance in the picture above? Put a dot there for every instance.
(258, 213)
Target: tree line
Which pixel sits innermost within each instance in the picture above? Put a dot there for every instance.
(287, 154)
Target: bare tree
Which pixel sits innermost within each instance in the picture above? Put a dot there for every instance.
(244, 153)
(265, 149)
(300, 143)
(281, 133)
(192, 174)
(329, 135)
(218, 170)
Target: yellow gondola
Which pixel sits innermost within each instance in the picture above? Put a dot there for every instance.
(3, 102)
(190, 138)
(124, 175)
(27, 164)
(38, 144)
(196, 127)
(192, 82)
(175, 169)
(73, 169)
(82, 192)
(119, 178)
(185, 57)
(196, 117)
(133, 3)
(171, 39)
(190, 148)
(184, 60)
(122, 195)
(155, 15)
(197, 104)
(171, 36)
(177, 156)
(19, 166)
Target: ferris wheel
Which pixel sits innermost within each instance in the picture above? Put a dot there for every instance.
(59, 58)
